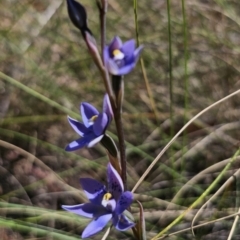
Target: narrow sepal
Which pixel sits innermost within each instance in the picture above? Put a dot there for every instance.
(124, 202)
(107, 108)
(116, 43)
(115, 162)
(96, 225)
(128, 47)
(95, 141)
(88, 140)
(137, 52)
(93, 189)
(76, 144)
(88, 210)
(77, 126)
(88, 111)
(122, 223)
(115, 183)
(100, 124)
(126, 69)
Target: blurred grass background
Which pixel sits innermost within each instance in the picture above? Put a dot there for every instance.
(42, 50)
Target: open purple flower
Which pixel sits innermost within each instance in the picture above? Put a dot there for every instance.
(120, 58)
(94, 125)
(105, 204)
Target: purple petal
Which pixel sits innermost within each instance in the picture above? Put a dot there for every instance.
(87, 112)
(96, 225)
(95, 141)
(100, 124)
(129, 59)
(112, 67)
(106, 55)
(126, 69)
(137, 53)
(107, 108)
(116, 43)
(75, 145)
(88, 210)
(77, 126)
(93, 189)
(122, 223)
(128, 47)
(80, 143)
(115, 183)
(124, 202)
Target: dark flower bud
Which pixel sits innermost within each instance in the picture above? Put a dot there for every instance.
(78, 16)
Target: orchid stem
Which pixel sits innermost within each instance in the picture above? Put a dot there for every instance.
(118, 89)
(102, 14)
(116, 102)
(119, 126)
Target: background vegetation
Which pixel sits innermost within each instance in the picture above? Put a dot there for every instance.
(191, 60)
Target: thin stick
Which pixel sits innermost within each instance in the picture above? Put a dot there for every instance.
(234, 226)
(186, 93)
(150, 95)
(176, 136)
(200, 225)
(170, 65)
(219, 191)
(200, 199)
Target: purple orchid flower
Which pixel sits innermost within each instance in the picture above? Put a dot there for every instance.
(120, 58)
(105, 204)
(94, 125)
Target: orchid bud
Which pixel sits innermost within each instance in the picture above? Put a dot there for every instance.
(78, 16)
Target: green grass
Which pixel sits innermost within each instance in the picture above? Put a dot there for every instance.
(190, 61)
